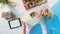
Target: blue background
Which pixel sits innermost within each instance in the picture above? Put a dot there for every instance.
(52, 25)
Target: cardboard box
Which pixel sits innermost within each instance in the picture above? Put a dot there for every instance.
(6, 14)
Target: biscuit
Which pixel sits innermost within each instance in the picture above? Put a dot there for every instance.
(49, 15)
(33, 14)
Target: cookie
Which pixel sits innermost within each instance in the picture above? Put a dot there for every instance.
(49, 15)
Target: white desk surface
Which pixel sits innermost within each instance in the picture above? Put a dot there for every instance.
(4, 26)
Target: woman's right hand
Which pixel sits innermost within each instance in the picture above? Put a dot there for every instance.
(39, 16)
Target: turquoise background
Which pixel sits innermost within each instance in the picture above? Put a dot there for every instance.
(52, 25)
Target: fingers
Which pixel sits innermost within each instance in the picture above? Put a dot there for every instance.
(38, 15)
(23, 25)
(23, 22)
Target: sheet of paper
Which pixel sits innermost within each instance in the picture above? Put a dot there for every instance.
(27, 18)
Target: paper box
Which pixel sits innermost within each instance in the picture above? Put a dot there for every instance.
(6, 15)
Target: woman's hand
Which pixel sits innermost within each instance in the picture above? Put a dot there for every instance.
(24, 27)
(39, 17)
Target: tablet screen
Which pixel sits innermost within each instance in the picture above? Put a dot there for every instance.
(14, 23)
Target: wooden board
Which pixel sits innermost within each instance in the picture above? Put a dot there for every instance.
(32, 3)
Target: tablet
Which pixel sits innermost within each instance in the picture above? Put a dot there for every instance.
(14, 23)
